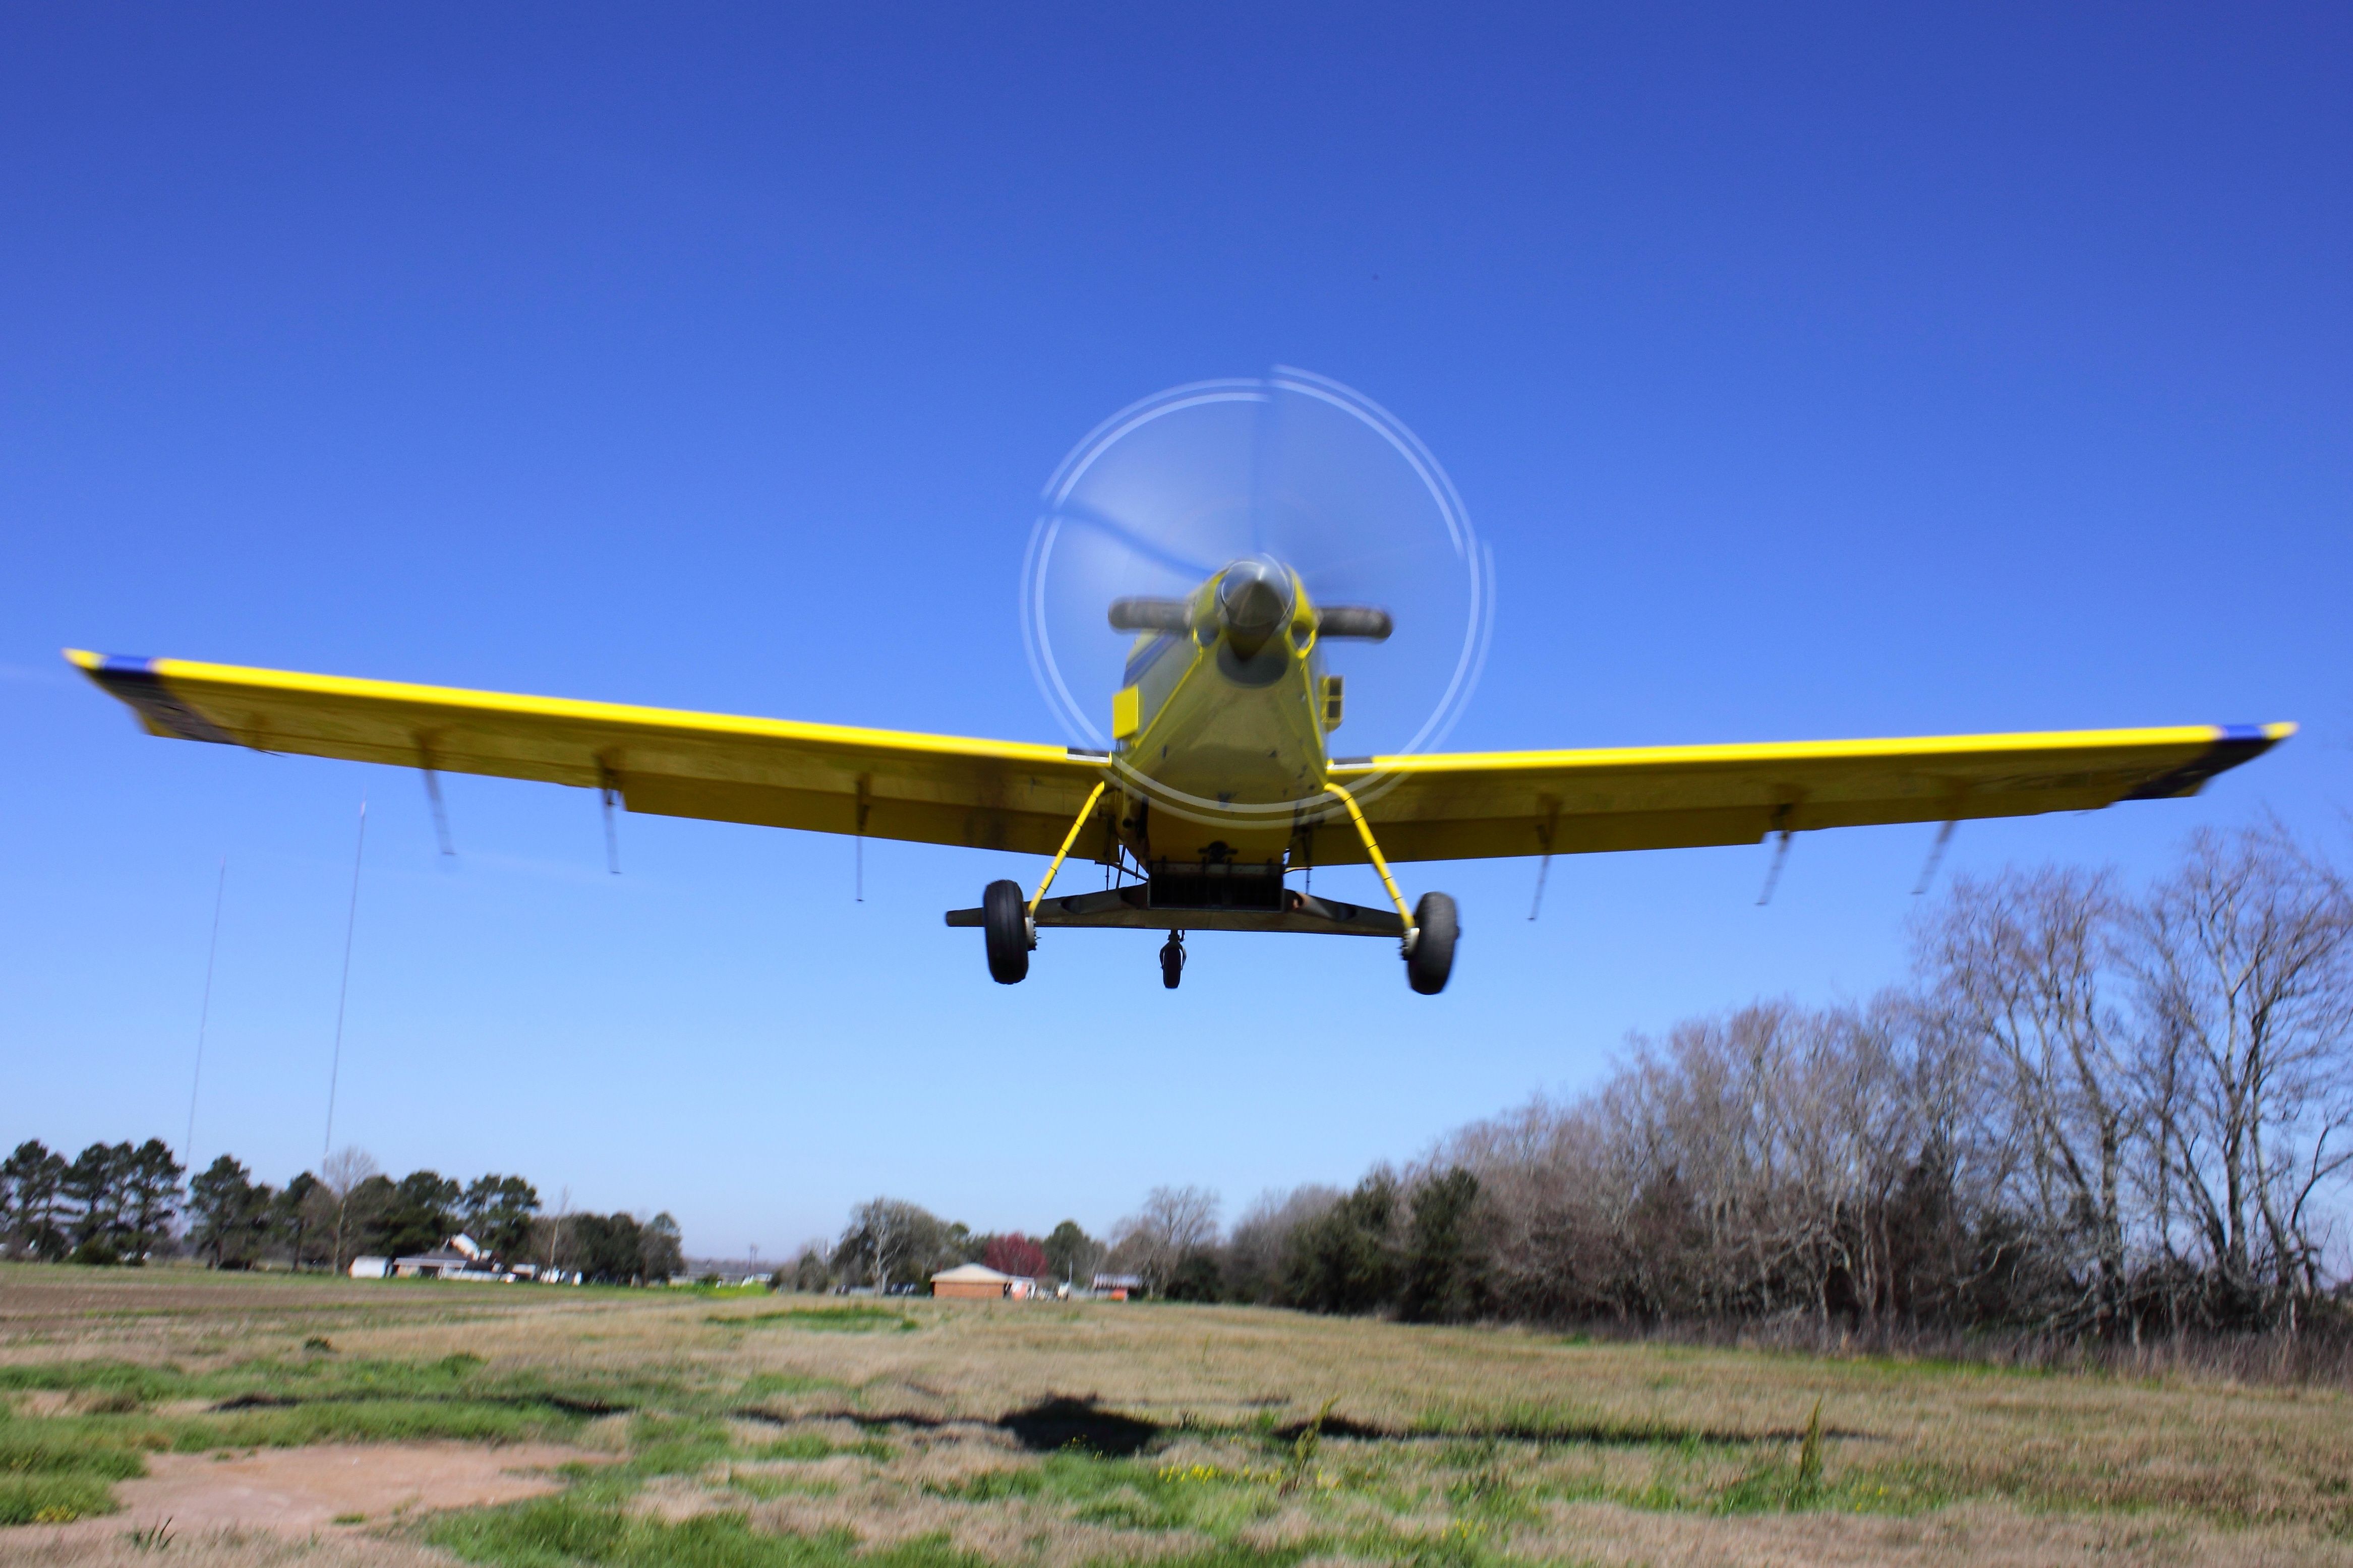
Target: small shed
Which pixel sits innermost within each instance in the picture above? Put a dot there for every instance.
(975, 1282)
(441, 1263)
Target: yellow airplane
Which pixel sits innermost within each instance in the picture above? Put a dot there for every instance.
(1219, 783)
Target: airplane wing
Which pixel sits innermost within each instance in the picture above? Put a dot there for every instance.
(1475, 804)
(882, 784)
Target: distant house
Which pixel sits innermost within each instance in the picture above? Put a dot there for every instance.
(978, 1282)
(1117, 1286)
(441, 1263)
(459, 1257)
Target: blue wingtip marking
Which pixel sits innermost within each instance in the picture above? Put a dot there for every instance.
(126, 664)
(2243, 732)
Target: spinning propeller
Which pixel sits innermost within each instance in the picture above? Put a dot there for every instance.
(1194, 509)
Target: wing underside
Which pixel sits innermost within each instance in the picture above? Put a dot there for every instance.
(1475, 805)
(998, 795)
(880, 783)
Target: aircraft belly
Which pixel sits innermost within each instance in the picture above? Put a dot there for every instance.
(1220, 745)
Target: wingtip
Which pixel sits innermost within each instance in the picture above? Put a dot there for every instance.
(2261, 737)
(82, 658)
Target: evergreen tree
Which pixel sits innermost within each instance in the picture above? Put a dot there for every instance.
(1346, 1259)
(151, 1196)
(230, 1215)
(1442, 1279)
(92, 1189)
(418, 1215)
(35, 1178)
(295, 1220)
(497, 1211)
(1072, 1252)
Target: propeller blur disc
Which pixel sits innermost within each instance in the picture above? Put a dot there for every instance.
(1289, 468)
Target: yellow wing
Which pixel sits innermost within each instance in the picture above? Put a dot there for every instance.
(1664, 797)
(883, 783)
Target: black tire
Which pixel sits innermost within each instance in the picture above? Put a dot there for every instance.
(1005, 919)
(1432, 959)
(1172, 962)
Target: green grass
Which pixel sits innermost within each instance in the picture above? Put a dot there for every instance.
(74, 1443)
(55, 1498)
(764, 1484)
(1551, 1424)
(266, 1386)
(558, 1533)
(770, 1385)
(555, 1531)
(60, 1468)
(810, 1445)
(989, 1485)
(859, 1319)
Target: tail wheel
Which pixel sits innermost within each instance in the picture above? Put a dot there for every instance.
(1432, 958)
(1005, 919)
(1172, 960)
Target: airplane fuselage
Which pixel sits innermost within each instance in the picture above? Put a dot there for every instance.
(1220, 725)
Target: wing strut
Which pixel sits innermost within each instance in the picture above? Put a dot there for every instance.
(1365, 832)
(1780, 859)
(865, 804)
(609, 789)
(440, 812)
(1552, 825)
(1936, 856)
(1078, 825)
(433, 794)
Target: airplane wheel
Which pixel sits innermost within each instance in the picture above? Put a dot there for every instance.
(1432, 959)
(1172, 960)
(1005, 919)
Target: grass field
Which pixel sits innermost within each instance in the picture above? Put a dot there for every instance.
(748, 1431)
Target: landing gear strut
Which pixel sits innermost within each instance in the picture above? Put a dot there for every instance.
(1172, 960)
(1431, 928)
(1011, 921)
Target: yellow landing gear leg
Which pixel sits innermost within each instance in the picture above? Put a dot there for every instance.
(1365, 832)
(1069, 838)
(1430, 931)
(1011, 923)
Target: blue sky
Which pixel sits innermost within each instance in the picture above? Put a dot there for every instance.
(1812, 371)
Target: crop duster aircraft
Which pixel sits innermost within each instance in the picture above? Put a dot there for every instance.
(1226, 699)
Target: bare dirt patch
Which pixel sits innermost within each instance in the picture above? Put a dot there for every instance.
(306, 1491)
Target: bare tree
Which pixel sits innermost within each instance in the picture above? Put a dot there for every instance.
(1175, 1222)
(339, 1175)
(1557, 1188)
(2245, 959)
(893, 1237)
(2026, 964)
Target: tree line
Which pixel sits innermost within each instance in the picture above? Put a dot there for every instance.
(2095, 1111)
(891, 1244)
(115, 1204)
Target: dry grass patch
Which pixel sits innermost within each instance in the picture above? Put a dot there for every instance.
(222, 1548)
